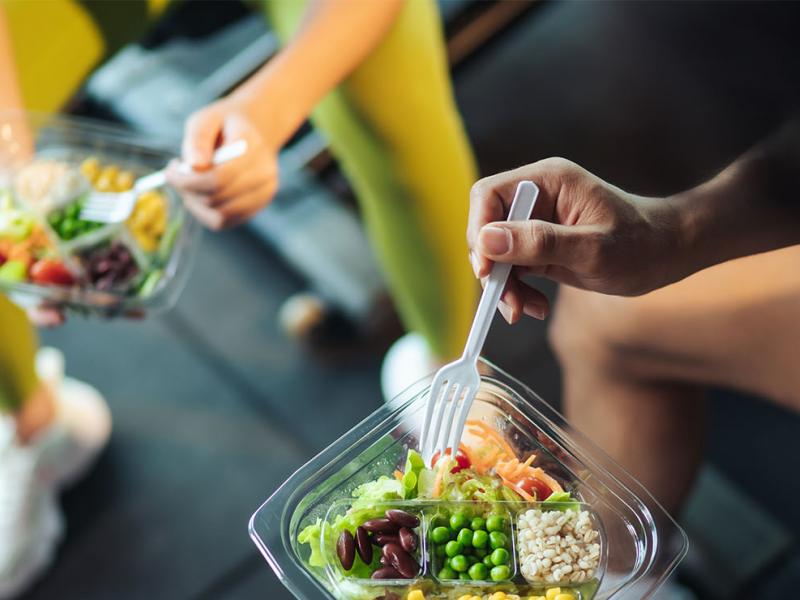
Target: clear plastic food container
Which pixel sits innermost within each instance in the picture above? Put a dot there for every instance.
(128, 268)
(639, 543)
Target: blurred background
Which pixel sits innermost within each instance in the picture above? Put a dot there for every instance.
(652, 96)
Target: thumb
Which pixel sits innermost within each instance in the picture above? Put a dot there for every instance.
(532, 243)
(200, 138)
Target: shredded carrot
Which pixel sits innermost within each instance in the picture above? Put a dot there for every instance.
(398, 475)
(551, 483)
(515, 488)
(489, 433)
(513, 471)
(437, 482)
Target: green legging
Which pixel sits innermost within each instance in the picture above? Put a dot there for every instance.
(395, 129)
(393, 126)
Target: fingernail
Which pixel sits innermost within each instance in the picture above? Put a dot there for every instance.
(505, 310)
(535, 311)
(495, 240)
(476, 267)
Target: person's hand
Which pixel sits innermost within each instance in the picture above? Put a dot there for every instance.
(224, 195)
(584, 232)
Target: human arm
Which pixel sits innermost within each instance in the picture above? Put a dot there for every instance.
(333, 39)
(590, 234)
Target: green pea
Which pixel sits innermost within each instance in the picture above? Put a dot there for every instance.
(446, 563)
(69, 228)
(458, 521)
(500, 573)
(465, 537)
(487, 560)
(495, 523)
(479, 539)
(73, 210)
(481, 552)
(448, 573)
(440, 535)
(478, 572)
(473, 559)
(498, 539)
(464, 577)
(477, 524)
(467, 550)
(459, 563)
(453, 548)
(500, 557)
(439, 551)
(54, 218)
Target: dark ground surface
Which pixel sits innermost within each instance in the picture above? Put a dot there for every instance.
(213, 407)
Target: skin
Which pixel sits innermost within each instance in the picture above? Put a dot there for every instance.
(720, 265)
(265, 111)
(268, 108)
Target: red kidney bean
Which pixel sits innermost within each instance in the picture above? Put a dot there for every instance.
(386, 538)
(408, 539)
(402, 518)
(364, 545)
(381, 526)
(401, 560)
(387, 573)
(346, 549)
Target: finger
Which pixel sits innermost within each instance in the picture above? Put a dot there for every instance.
(46, 315)
(235, 211)
(536, 243)
(534, 303)
(491, 196)
(200, 137)
(208, 182)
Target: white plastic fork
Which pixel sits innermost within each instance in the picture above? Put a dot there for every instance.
(455, 385)
(116, 207)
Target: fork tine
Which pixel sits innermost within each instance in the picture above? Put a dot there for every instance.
(433, 397)
(444, 432)
(461, 419)
(441, 407)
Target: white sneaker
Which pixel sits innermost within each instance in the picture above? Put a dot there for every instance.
(408, 360)
(32, 475)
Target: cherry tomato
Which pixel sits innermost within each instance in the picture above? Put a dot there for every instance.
(535, 486)
(50, 271)
(462, 462)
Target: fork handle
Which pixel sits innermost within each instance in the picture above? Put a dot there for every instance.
(222, 155)
(521, 209)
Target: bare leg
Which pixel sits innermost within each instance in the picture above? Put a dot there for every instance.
(635, 368)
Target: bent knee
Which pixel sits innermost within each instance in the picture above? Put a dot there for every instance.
(593, 330)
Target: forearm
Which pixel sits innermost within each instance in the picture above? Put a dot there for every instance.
(752, 206)
(334, 38)
(10, 95)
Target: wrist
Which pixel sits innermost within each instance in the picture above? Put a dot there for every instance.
(275, 100)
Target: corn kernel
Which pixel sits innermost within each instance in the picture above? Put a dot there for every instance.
(498, 596)
(416, 595)
(90, 168)
(124, 181)
(465, 597)
(565, 597)
(552, 593)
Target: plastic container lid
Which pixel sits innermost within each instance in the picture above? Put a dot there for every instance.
(27, 137)
(641, 543)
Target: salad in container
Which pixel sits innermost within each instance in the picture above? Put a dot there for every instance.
(526, 509)
(48, 253)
